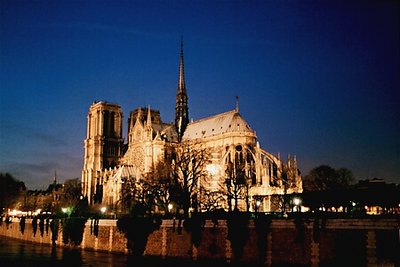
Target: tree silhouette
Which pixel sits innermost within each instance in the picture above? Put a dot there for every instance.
(188, 169)
(162, 185)
(10, 189)
(129, 193)
(210, 200)
(237, 186)
(325, 177)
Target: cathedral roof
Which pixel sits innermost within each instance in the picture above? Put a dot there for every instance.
(230, 121)
(166, 130)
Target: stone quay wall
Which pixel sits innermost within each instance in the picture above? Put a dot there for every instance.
(306, 242)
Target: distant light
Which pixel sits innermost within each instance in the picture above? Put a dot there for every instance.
(212, 169)
(37, 212)
(258, 203)
(13, 213)
(103, 209)
(296, 201)
(353, 203)
(170, 207)
(64, 210)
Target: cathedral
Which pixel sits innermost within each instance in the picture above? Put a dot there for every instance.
(109, 161)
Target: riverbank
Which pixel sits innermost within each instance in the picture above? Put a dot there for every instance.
(275, 242)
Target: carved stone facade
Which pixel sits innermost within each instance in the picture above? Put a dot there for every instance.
(229, 139)
(103, 144)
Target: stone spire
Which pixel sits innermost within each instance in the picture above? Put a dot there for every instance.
(139, 114)
(148, 122)
(149, 129)
(181, 108)
(55, 177)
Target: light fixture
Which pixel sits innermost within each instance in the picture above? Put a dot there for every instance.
(170, 207)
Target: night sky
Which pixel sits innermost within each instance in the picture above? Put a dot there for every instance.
(319, 80)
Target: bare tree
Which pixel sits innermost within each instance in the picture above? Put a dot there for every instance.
(128, 192)
(236, 185)
(137, 196)
(279, 201)
(188, 169)
(286, 181)
(160, 185)
(210, 200)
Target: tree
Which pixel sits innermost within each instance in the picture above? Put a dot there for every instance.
(10, 190)
(72, 191)
(325, 177)
(162, 183)
(345, 177)
(188, 169)
(210, 200)
(71, 197)
(287, 180)
(151, 194)
(128, 192)
(236, 185)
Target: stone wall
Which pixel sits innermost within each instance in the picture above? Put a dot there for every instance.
(312, 242)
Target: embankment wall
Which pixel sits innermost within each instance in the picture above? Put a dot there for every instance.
(311, 242)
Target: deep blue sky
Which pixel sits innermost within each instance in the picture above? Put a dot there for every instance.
(316, 79)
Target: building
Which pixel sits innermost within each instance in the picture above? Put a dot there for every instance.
(228, 137)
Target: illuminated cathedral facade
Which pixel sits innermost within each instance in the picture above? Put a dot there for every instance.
(108, 159)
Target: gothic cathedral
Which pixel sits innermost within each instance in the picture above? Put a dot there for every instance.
(108, 161)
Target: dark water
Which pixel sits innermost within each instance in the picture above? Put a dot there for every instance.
(19, 253)
(15, 253)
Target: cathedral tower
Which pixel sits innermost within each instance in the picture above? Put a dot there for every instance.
(103, 146)
(181, 108)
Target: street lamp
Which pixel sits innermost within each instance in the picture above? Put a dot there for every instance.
(296, 202)
(258, 204)
(103, 209)
(170, 207)
(66, 211)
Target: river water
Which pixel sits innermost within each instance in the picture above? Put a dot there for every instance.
(18, 253)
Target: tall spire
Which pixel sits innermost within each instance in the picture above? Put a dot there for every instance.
(55, 177)
(181, 108)
(149, 129)
(148, 122)
(139, 114)
(181, 82)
